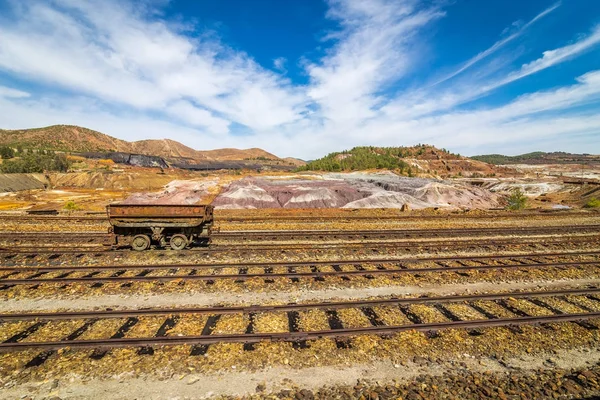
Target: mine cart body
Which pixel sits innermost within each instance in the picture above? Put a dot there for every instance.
(174, 225)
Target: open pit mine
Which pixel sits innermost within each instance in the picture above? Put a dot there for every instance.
(364, 285)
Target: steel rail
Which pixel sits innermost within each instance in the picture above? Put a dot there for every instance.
(104, 314)
(320, 274)
(508, 215)
(491, 214)
(252, 264)
(217, 248)
(291, 336)
(369, 232)
(429, 232)
(95, 236)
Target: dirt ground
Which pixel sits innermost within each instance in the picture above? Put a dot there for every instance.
(421, 363)
(92, 191)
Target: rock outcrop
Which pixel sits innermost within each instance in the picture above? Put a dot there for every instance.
(353, 190)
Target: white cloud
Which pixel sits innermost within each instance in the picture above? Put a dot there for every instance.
(424, 101)
(14, 93)
(128, 73)
(279, 64)
(110, 50)
(372, 50)
(196, 116)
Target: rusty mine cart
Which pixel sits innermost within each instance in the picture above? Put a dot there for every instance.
(178, 225)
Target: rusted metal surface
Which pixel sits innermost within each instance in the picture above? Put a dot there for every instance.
(341, 234)
(247, 247)
(289, 307)
(365, 261)
(133, 223)
(382, 270)
(407, 233)
(129, 215)
(292, 336)
(42, 212)
(160, 211)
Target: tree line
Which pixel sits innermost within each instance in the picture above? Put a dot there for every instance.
(361, 158)
(29, 162)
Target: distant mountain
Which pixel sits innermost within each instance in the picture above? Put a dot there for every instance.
(236, 154)
(539, 157)
(75, 139)
(422, 160)
(166, 148)
(295, 161)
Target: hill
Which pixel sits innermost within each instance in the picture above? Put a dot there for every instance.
(423, 160)
(539, 157)
(166, 148)
(76, 139)
(68, 138)
(229, 154)
(295, 161)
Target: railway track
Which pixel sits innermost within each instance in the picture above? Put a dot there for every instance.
(295, 235)
(101, 217)
(289, 235)
(383, 317)
(407, 217)
(98, 275)
(396, 247)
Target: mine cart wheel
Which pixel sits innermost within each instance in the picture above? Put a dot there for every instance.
(140, 242)
(178, 242)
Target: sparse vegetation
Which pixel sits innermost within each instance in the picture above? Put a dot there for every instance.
(360, 158)
(537, 157)
(592, 203)
(259, 158)
(6, 152)
(57, 138)
(71, 206)
(517, 200)
(36, 163)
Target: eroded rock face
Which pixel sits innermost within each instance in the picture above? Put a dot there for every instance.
(353, 190)
(176, 192)
(265, 193)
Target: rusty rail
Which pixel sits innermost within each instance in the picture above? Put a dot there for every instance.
(557, 316)
(54, 316)
(313, 274)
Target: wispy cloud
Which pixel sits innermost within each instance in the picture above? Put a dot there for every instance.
(279, 64)
(498, 45)
(14, 93)
(427, 101)
(371, 50)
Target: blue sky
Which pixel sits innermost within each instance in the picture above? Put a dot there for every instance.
(303, 78)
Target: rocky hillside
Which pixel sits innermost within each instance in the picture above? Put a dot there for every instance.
(166, 148)
(63, 138)
(421, 160)
(75, 139)
(236, 154)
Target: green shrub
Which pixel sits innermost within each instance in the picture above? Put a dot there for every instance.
(6, 152)
(71, 206)
(517, 200)
(592, 203)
